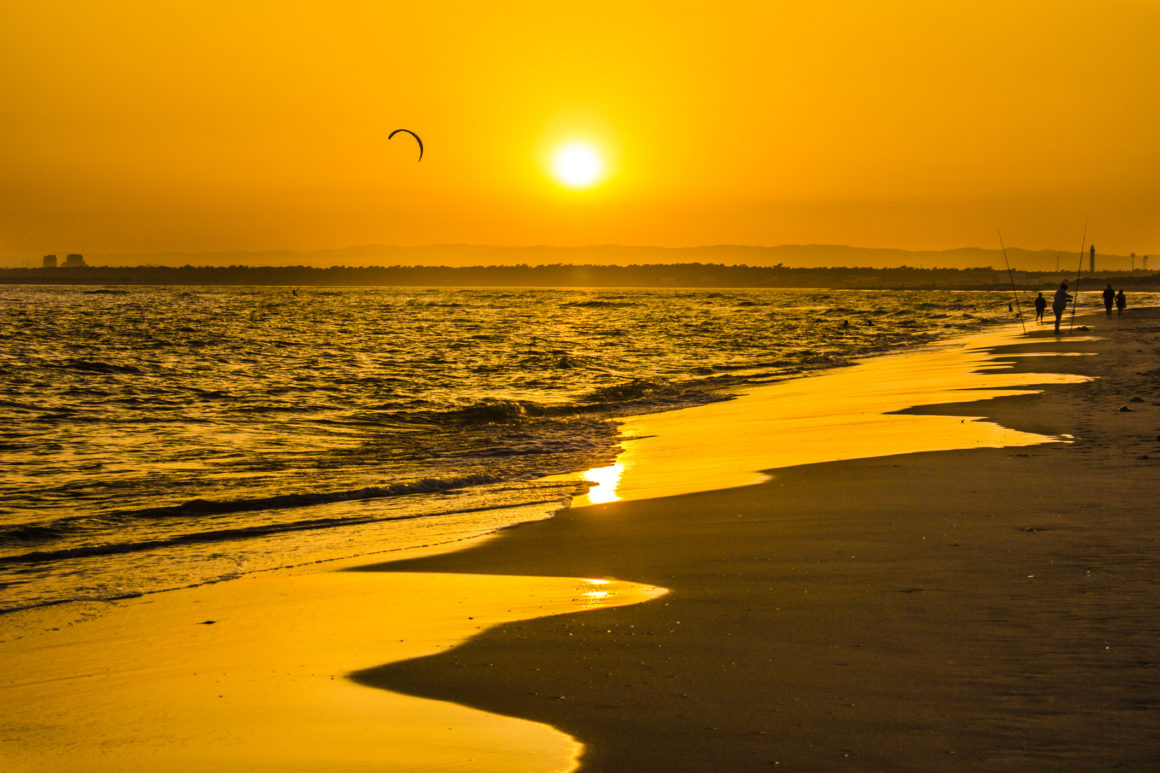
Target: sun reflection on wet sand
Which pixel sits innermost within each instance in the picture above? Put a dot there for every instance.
(598, 596)
(605, 481)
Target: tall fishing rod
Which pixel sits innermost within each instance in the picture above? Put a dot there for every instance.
(1011, 276)
(1078, 271)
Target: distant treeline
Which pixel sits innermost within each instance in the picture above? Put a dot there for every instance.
(459, 255)
(563, 275)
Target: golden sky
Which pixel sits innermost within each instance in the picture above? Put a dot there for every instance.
(140, 126)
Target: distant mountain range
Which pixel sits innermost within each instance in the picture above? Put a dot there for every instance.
(789, 255)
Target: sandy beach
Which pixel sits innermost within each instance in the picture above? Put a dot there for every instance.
(989, 607)
(963, 610)
(590, 388)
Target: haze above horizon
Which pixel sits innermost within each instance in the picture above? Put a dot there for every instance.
(135, 127)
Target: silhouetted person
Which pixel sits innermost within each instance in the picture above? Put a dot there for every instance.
(1121, 303)
(1059, 303)
(1040, 307)
(1109, 298)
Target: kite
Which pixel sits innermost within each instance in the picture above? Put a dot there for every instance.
(416, 136)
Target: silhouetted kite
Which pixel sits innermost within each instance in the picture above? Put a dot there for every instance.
(416, 136)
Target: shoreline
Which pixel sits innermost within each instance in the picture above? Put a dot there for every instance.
(116, 564)
(836, 414)
(339, 478)
(958, 610)
(509, 554)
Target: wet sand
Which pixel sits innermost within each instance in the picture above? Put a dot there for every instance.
(251, 675)
(985, 608)
(982, 609)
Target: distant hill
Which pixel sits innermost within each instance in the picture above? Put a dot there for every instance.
(789, 255)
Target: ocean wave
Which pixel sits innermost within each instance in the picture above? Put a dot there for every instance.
(81, 526)
(630, 390)
(633, 396)
(20, 406)
(822, 361)
(558, 360)
(645, 395)
(31, 534)
(286, 501)
(244, 532)
(218, 535)
(599, 304)
(97, 366)
(76, 526)
(61, 415)
(491, 412)
(78, 391)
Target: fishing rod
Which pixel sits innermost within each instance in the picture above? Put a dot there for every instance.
(1078, 271)
(1011, 276)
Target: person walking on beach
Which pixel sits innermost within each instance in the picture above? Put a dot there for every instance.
(1059, 303)
(1109, 298)
(1121, 302)
(1040, 307)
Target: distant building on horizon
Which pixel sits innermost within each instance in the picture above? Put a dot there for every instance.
(74, 260)
(49, 261)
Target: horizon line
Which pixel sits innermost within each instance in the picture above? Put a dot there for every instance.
(604, 246)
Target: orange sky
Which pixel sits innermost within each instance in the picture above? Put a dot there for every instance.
(208, 125)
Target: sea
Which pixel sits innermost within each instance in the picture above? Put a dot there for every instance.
(154, 438)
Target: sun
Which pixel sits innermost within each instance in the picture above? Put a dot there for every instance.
(578, 165)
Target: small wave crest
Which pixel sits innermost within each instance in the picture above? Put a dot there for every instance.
(30, 534)
(599, 304)
(630, 396)
(97, 366)
(286, 501)
(242, 533)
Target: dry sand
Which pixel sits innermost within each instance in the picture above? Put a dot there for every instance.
(971, 609)
(988, 609)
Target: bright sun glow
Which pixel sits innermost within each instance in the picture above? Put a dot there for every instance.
(578, 165)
